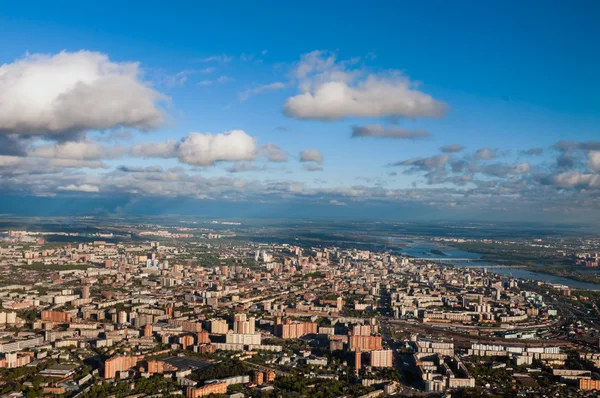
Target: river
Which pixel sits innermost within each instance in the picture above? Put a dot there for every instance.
(422, 249)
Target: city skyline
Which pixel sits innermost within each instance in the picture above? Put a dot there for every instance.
(474, 112)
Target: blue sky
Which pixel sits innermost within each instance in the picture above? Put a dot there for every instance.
(512, 76)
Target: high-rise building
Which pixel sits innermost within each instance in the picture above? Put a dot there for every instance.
(119, 363)
(186, 341)
(361, 330)
(206, 390)
(85, 292)
(203, 337)
(258, 378)
(381, 358)
(269, 376)
(291, 330)
(243, 325)
(240, 338)
(148, 330)
(56, 316)
(122, 317)
(365, 343)
(218, 326)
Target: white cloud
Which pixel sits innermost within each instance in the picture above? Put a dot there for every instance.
(594, 160)
(425, 164)
(311, 155)
(336, 202)
(502, 170)
(17, 164)
(378, 131)
(119, 135)
(453, 148)
(182, 77)
(243, 96)
(178, 79)
(486, 154)
(66, 93)
(273, 153)
(576, 179)
(13, 145)
(224, 58)
(167, 149)
(334, 90)
(202, 149)
(76, 164)
(207, 149)
(83, 150)
(522, 168)
(240, 167)
(312, 167)
(79, 188)
(10, 160)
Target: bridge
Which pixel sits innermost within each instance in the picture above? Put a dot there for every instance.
(442, 259)
(467, 260)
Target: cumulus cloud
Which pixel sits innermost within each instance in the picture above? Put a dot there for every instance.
(566, 160)
(336, 202)
(120, 135)
(451, 148)
(6, 160)
(240, 167)
(594, 160)
(207, 149)
(566, 145)
(333, 90)
(518, 192)
(273, 153)
(447, 168)
(573, 154)
(460, 165)
(312, 167)
(378, 131)
(311, 155)
(425, 164)
(67, 93)
(502, 170)
(53, 170)
(17, 164)
(79, 188)
(12, 145)
(486, 154)
(202, 149)
(167, 149)
(82, 150)
(138, 169)
(76, 164)
(573, 179)
(533, 151)
(244, 95)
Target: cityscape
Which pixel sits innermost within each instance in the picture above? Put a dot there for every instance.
(243, 308)
(317, 199)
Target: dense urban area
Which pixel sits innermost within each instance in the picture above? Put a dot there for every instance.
(235, 309)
